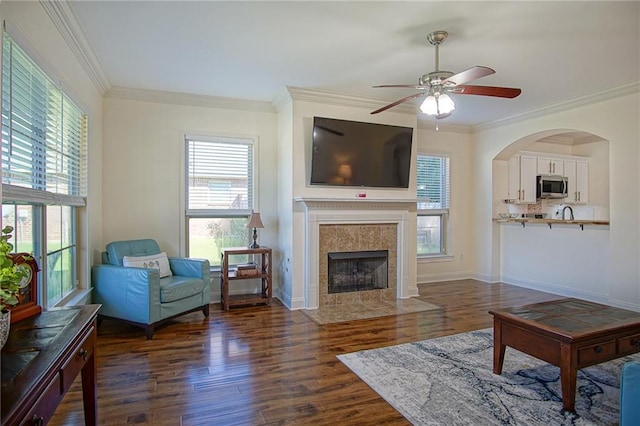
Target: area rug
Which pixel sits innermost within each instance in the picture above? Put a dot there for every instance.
(366, 310)
(450, 381)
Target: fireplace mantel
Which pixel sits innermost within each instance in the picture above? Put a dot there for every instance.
(353, 211)
(356, 203)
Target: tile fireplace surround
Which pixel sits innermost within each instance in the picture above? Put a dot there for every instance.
(348, 225)
(354, 238)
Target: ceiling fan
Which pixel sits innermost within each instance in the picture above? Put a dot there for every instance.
(437, 85)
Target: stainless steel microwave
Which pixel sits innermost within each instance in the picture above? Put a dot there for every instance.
(552, 186)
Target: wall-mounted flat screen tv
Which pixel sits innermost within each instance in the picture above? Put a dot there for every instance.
(353, 153)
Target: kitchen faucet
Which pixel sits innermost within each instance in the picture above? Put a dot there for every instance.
(570, 212)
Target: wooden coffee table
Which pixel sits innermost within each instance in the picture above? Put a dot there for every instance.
(568, 333)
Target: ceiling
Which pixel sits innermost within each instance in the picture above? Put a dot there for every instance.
(555, 52)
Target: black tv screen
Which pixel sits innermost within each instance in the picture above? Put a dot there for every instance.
(353, 153)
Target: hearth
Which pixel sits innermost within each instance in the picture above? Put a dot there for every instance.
(357, 271)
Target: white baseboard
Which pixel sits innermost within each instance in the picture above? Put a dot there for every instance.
(483, 277)
(447, 276)
(296, 304)
(571, 292)
(413, 291)
(288, 302)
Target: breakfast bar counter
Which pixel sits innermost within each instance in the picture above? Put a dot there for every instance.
(550, 222)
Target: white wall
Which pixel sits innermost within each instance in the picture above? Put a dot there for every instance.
(32, 28)
(144, 166)
(286, 268)
(458, 146)
(605, 261)
(562, 260)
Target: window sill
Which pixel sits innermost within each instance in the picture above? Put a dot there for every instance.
(77, 297)
(435, 258)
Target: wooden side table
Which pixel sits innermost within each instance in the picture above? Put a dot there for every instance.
(262, 271)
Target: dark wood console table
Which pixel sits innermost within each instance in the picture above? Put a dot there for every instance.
(40, 361)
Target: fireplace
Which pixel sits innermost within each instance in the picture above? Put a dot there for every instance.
(346, 242)
(357, 271)
(340, 225)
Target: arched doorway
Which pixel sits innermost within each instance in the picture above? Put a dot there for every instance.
(555, 146)
(562, 258)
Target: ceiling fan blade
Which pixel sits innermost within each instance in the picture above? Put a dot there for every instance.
(469, 75)
(398, 102)
(408, 86)
(499, 92)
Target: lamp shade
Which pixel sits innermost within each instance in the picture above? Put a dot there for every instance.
(255, 221)
(430, 105)
(344, 171)
(437, 104)
(445, 104)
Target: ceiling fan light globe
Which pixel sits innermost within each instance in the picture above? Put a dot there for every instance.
(445, 104)
(430, 105)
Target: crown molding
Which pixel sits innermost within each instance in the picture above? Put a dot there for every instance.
(188, 99)
(571, 138)
(282, 99)
(426, 122)
(300, 94)
(64, 18)
(318, 96)
(616, 92)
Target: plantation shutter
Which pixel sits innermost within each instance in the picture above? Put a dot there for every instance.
(43, 135)
(433, 182)
(219, 176)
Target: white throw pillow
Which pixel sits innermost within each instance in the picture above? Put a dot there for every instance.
(158, 261)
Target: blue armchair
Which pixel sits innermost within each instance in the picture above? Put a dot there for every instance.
(138, 295)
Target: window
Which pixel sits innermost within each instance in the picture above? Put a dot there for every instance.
(219, 195)
(44, 137)
(433, 204)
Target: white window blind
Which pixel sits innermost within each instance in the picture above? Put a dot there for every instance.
(433, 182)
(219, 176)
(43, 135)
(433, 205)
(44, 139)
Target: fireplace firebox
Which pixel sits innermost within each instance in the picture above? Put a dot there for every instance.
(357, 271)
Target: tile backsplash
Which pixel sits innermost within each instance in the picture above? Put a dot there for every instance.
(553, 210)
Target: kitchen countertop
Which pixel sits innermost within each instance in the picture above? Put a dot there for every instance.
(550, 221)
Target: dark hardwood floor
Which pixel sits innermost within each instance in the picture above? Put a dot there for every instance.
(268, 365)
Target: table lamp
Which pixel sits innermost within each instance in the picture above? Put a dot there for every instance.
(255, 222)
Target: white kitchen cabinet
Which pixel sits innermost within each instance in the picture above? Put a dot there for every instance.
(577, 171)
(582, 181)
(550, 166)
(522, 171)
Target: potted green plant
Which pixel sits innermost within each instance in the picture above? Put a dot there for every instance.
(11, 281)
